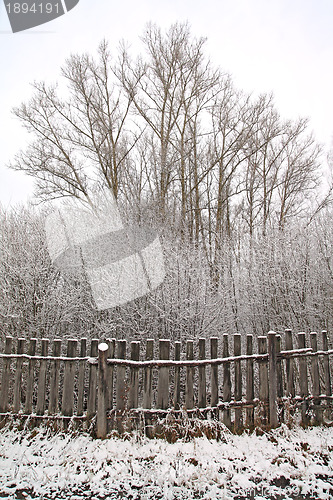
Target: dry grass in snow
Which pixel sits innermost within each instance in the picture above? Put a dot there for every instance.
(283, 463)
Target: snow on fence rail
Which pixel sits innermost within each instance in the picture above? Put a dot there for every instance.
(105, 388)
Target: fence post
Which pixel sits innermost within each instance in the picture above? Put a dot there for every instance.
(189, 396)
(202, 395)
(263, 377)
(327, 372)
(102, 397)
(290, 386)
(226, 382)
(315, 377)
(272, 359)
(41, 393)
(249, 382)
(238, 424)
(54, 379)
(303, 380)
(5, 377)
(18, 377)
(176, 394)
(30, 377)
(163, 376)
(214, 398)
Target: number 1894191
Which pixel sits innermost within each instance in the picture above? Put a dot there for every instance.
(35, 8)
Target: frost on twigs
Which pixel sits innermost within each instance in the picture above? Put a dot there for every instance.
(120, 263)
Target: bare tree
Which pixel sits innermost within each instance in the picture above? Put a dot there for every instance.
(82, 139)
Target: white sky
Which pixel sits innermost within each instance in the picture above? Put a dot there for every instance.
(279, 46)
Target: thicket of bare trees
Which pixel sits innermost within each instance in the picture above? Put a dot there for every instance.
(232, 187)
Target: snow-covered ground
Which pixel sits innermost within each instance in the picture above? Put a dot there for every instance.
(284, 463)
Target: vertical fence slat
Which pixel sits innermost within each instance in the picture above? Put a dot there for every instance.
(41, 392)
(69, 379)
(279, 368)
(326, 362)
(176, 393)
(214, 379)
(102, 396)
(303, 379)
(30, 377)
(249, 382)
(226, 382)
(121, 376)
(272, 352)
(121, 391)
(110, 372)
(290, 377)
(202, 394)
(147, 382)
(163, 376)
(189, 394)
(148, 386)
(315, 376)
(18, 377)
(263, 378)
(133, 398)
(81, 377)
(54, 378)
(238, 424)
(91, 403)
(4, 404)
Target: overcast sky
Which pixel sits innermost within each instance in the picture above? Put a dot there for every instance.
(279, 46)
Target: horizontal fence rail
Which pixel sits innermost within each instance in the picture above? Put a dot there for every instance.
(119, 385)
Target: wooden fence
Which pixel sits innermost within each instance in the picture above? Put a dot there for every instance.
(105, 389)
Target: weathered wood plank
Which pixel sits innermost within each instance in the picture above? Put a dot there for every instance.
(81, 377)
(279, 368)
(148, 387)
(249, 382)
(290, 377)
(133, 398)
(30, 377)
(303, 379)
(315, 377)
(121, 377)
(121, 391)
(18, 377)
(4, 403)
(238, 424)
(226, 382)
(189, 392)
(263, 379)
(92, 387)
(41, 392)
(102, 396)
(54, 379)
(176, 392)
(147, 382)
(202, 391)
(110, 372)
(69, 379)
(326, 363)
(214, 380)
(273, 407)
(163, 376)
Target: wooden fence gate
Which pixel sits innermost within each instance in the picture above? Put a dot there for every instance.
(105, 388)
